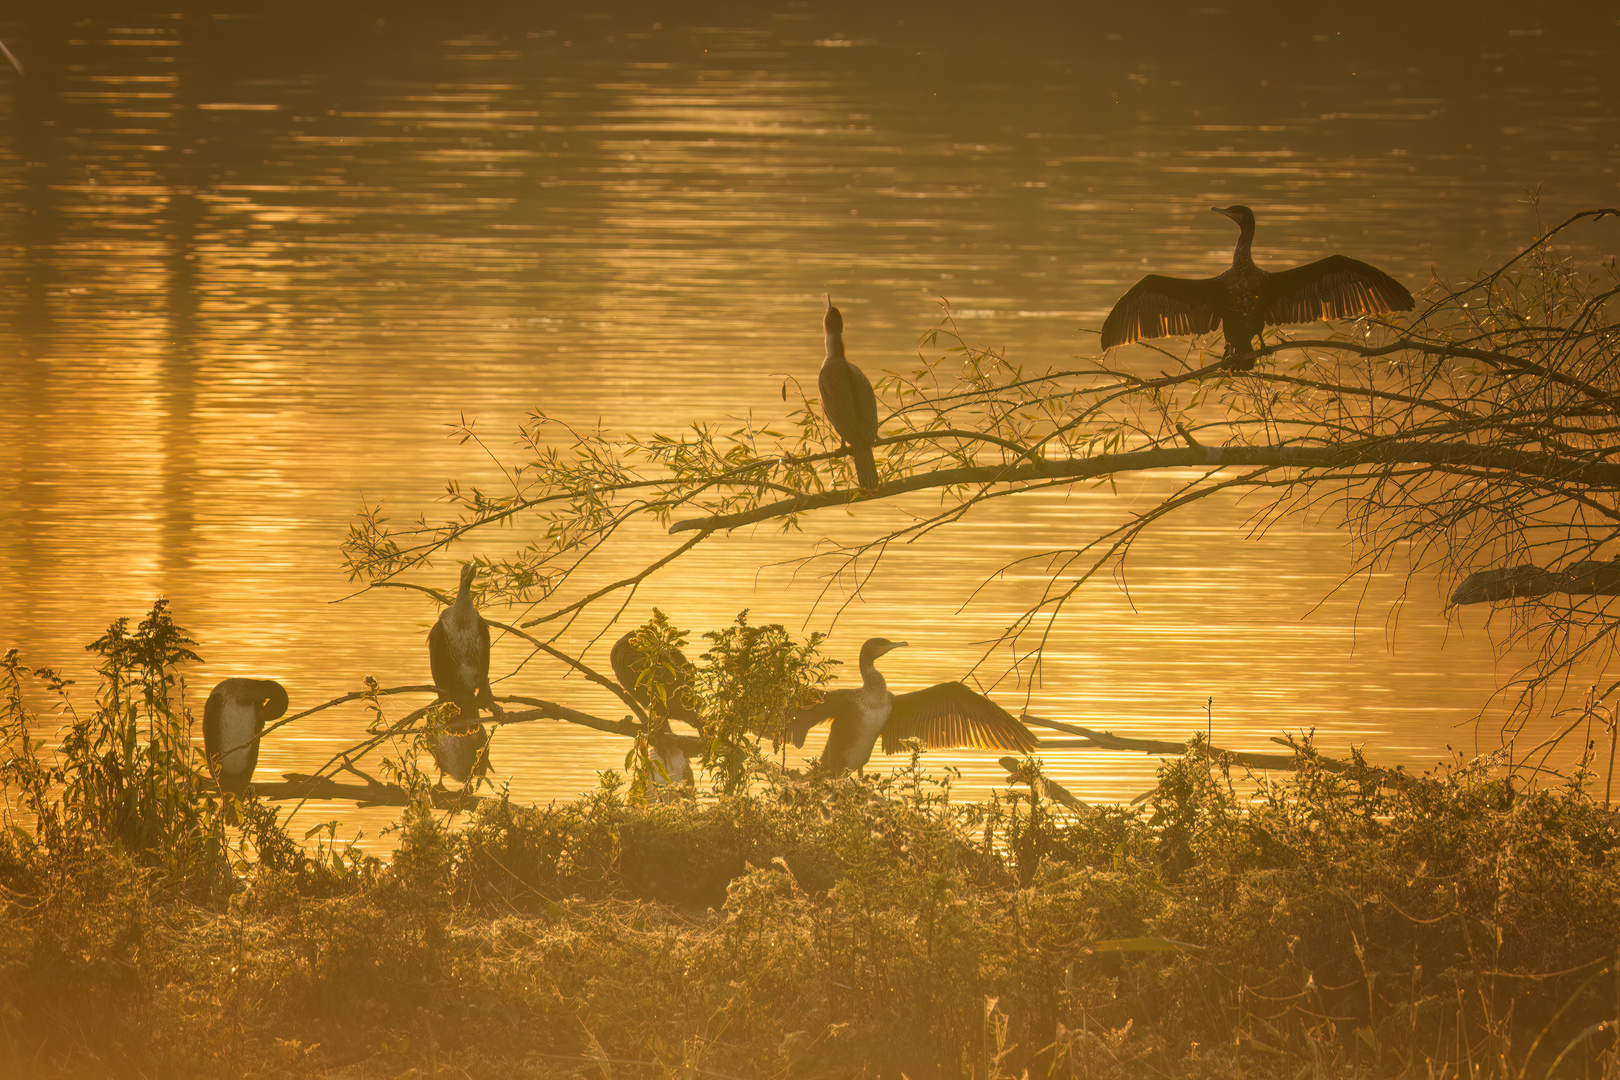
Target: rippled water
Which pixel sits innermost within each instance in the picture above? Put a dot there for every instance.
(255, 265)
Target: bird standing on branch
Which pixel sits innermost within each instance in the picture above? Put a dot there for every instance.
(848, 401)
(233, 719)
(663, 692)
(1246, 299)
(943, 715)
(458, 653)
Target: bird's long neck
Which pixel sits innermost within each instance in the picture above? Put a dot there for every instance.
(835, 344)
(463, 607)
(1241, 255)
(871, 677)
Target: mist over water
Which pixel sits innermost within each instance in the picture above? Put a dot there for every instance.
(256, 265)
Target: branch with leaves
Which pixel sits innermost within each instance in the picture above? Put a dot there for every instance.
(1479, 434)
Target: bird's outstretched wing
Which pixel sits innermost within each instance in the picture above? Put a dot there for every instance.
(1159, 306)
(834, 704)
(950, 714)
(1337, 287)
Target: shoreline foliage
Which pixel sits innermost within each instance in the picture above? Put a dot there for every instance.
(796, 926)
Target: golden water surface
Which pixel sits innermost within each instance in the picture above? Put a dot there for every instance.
(255, 265)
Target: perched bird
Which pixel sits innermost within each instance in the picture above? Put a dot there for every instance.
(672, 761)
(947, 714)
(630, 666)
(665, 695)
(458, 652)
(460, 754)
(1246, 299)
(848, 401)
(233, 718)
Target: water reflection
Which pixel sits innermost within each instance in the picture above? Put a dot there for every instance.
(253, 271)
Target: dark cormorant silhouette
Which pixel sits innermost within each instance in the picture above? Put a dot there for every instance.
(628, 666)
(848, 401)
(1246, 299)
(672, 754)
(947, 714)
(459, 754)
(233, 718)
(458, 653)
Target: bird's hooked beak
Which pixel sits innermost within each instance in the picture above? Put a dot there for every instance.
(896, 645)
(833, 323)
(1224, 211)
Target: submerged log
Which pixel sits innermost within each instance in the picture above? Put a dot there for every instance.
(372, 792)
(1091, 739)
(1050, 788)
(1585, 578)
(304, 787)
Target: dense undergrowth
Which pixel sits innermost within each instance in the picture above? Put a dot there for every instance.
(1309, 926)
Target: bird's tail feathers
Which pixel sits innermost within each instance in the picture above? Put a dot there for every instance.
(865, 467)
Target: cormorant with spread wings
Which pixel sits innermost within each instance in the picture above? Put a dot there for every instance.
(1246, 299)
(943, 715)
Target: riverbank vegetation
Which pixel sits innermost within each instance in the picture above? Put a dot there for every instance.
(796, 926)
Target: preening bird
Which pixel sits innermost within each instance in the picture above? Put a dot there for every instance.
(1246, 299)
(459, 754)
(458, 653)
(943, 715)
(672, 757)
(847, 400)
(233, 718)
(629, 666)
(671, 754)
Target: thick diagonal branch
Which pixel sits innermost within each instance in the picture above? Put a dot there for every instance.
(1551, 468)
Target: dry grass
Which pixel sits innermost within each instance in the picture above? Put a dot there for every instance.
(797, 927)
(842, 928)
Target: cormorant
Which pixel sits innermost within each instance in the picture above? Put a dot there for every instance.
(848, 401)
(459, 754)
(672, 759)
(671, 753)
(1246, 299)
(233, 717)
(458, 653)
(947, 714)
(628, 666)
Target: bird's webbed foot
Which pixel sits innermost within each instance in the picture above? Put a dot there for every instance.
(1239, 360)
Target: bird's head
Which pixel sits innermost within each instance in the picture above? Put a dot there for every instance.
(464, 592)
(1240, 214)
(272, 700)
(833, 322)
(876, 647)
